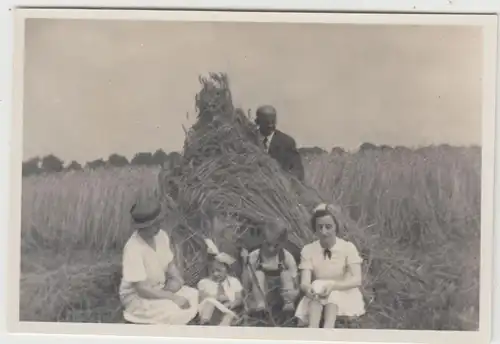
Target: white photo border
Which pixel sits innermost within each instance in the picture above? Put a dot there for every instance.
(489, 24)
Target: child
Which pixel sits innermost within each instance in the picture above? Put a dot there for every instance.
(272, 260)
(330, 274)
(219, 291)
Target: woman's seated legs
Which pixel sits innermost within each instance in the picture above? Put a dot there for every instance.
(315, 313)
(331, 311)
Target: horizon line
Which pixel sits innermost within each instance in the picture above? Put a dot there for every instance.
(414, 147)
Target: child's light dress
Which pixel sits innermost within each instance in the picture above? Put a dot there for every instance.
(230, 287)
(327, 270)
(143, 263)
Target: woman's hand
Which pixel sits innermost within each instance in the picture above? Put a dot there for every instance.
(182, 302)
(328, 290)
(309, 292)
(173, 285)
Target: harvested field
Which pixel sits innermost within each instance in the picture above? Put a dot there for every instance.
(413, 214)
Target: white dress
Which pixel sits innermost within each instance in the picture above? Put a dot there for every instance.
(142, 263)
(327, 270)
(230, 286)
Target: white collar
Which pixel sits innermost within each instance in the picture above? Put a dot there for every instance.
(269, 139)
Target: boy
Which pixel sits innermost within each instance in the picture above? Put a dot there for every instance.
(273, 261)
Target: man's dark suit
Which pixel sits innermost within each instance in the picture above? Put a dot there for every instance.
(284, 150)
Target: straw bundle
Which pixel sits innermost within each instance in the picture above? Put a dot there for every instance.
(225, 174)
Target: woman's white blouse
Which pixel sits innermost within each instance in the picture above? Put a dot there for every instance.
(343, 253)
(142, 263)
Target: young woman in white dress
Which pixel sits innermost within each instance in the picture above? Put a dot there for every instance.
(330, 275)
(152, 290)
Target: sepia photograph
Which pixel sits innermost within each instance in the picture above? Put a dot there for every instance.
(317, 175)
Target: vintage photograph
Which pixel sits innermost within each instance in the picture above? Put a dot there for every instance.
(306, 174)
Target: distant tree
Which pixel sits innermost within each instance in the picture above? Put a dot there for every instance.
(143, 158)
(175, 158)
(173, 161)
(95, 164)
(367, 147)
(31, 167)
(51, 163)
(117, 160)
(337, 151)
(311, 151)
(402, 149)
(159, 157)
(447, 148)
(385, 147)
(74, 166)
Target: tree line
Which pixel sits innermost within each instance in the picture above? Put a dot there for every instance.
(53, 164)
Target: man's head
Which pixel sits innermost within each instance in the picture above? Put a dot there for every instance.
(266, 119)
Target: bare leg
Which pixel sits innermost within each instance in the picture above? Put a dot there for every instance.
(246, 279)
(315, 313)
(331, 311)
(288, 291)
(259, 298)
(227, 319)
(206, 313)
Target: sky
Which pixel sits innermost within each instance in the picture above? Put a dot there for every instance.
(97, 87)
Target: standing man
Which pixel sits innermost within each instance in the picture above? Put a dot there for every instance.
(279, 145)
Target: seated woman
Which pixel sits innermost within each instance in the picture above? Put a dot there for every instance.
(152, 290)
(330, 274)
(220, 293)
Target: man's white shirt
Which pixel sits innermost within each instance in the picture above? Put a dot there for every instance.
(269, 138)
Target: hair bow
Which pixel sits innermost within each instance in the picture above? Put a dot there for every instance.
(325, 207)
(320, 207)
(219, 256)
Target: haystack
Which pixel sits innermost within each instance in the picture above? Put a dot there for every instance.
(225, 174)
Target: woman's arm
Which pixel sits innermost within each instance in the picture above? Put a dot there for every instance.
(144, 290)
(305, 280)
(351, 280)
(173, 272)
(306, 271)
